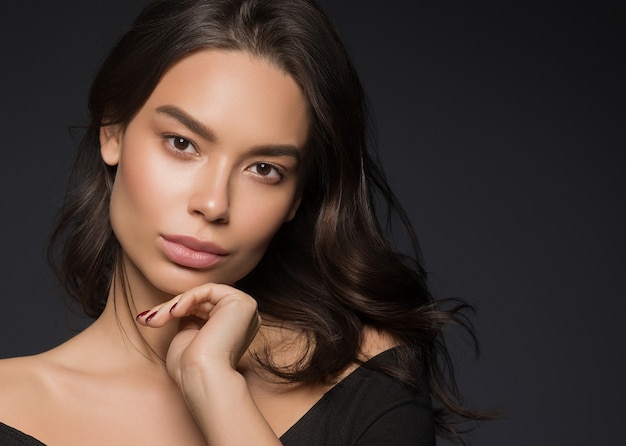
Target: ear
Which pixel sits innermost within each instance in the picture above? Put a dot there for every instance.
(294, 208)
(111, 144)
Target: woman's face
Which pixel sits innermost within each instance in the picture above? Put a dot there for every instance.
(207, 170)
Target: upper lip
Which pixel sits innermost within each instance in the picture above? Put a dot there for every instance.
(191, 242)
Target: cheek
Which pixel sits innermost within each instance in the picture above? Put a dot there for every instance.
(140, 191)
(261, 217)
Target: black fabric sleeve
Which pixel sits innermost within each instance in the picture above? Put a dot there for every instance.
(12, 437)
(407, 424)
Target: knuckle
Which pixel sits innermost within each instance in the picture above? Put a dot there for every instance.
(245, 302)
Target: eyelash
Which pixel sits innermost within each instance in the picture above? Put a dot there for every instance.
(171, 141)
(267, 178)
(280, 173)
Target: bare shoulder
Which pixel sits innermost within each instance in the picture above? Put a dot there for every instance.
(374, 342)
(22, 384)
(35, 392)
(16, 372)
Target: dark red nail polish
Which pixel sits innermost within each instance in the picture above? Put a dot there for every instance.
(142, 314)
(151, 316)
(173, 306)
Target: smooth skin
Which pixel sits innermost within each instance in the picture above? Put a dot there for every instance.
(213, 155)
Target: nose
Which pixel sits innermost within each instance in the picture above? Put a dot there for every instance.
(210, 197)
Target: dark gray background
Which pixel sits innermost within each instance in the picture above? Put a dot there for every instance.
(502, 130)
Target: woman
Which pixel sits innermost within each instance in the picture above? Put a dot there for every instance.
(220, 228)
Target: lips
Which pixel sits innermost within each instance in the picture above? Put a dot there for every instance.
(191, 252)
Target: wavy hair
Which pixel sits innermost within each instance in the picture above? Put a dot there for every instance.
(329, 272)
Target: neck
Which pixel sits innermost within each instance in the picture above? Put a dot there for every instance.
(129, 294)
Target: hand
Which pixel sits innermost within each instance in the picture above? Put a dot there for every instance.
(217, 324)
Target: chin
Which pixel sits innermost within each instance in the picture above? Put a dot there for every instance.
(181, 279)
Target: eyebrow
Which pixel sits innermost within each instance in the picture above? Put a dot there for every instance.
(273, 150)
(280, 150)
(192, 124)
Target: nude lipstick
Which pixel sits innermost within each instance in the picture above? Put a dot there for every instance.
(191, 252)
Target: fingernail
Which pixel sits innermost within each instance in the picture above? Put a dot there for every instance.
(142, 314)
(151, 316)
(173, 306)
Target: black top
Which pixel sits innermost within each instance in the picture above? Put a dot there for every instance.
(13, 437)
(367, 408)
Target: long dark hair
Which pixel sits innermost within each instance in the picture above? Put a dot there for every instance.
(329, 272)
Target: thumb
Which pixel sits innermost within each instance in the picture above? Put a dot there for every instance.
(189, 328)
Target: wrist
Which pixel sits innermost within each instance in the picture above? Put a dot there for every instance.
(210, 381)
(219, 398)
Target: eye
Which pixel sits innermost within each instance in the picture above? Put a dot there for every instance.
(180, 144)
(266, 172)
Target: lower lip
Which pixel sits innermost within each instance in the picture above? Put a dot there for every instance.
(184, 256)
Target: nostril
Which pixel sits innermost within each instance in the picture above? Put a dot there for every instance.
(210, 189)
(212, 205)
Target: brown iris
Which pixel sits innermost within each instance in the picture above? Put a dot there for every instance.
(263, 169)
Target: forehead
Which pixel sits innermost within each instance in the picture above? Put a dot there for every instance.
(235, 91)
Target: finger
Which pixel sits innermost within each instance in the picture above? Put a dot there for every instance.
(154, 316)
(188, 328)
(201, 300)
(233, 324)
(198, 301)
(190, 323)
